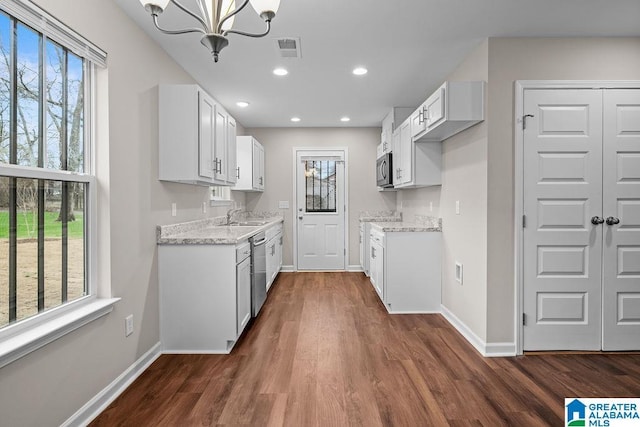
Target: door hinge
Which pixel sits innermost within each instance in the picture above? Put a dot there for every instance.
(524, 221)
(524, 120)
(524, 319)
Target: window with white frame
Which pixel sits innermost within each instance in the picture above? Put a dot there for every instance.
(47, 187)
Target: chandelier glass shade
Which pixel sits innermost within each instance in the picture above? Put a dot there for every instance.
(214, 18)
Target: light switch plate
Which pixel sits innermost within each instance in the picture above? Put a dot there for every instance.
(457, 207)
(283, 204)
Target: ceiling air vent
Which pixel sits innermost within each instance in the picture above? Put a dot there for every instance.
(288, 47)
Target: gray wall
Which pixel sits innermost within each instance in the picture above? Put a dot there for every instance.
(363, 194)
(512, 59)
(464, 237)
(478, 169)
(46, 387)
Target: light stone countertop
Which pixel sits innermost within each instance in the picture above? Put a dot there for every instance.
(422, 223)
(210, 232)
(379, 216)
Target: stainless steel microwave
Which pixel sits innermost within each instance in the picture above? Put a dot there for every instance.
(384, 176)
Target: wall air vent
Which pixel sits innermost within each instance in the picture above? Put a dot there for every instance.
(288, 47)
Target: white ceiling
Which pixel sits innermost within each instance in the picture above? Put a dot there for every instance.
(408, 46)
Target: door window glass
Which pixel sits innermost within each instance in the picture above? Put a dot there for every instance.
(320, 182)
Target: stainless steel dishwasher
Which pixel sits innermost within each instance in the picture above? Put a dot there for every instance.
(258, 272)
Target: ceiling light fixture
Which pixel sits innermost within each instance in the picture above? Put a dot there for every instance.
(280, 72)
(215, 19)
(345, 119)
(295, 119)
(360, 71)
(242, 104)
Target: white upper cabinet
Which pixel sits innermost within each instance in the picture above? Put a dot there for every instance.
(250, 170)
(396, 116)
(415, 165)
(196, 137)
(452, 108)
(232, 160)
(225, 147)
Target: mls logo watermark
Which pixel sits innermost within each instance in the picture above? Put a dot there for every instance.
(609, 412)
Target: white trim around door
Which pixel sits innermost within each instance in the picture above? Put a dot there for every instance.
(520, 87)
(328, 151)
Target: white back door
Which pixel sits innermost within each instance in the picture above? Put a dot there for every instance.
(563, 191)
(621, 184)
(320, 210)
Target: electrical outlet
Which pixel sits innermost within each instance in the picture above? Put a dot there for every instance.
(283, 204)
(128, 325)
(204, 207)
(174, 209)
(459, 272)
(457, 207)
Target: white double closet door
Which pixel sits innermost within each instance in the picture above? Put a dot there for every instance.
(582, 211)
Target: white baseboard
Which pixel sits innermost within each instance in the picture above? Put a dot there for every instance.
(290, 269)
(485, 349)
(100, 401)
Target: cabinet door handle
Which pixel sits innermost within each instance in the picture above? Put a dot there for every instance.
(238, 172)
(421, 117)
(373, 252)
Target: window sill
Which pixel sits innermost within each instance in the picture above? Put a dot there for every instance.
(15, 347)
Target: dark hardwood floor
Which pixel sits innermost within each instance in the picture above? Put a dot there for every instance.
(324, 352)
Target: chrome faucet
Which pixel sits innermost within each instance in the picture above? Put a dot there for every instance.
(231, 213)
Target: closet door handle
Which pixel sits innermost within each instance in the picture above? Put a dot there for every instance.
(596, 220)
(613, 221)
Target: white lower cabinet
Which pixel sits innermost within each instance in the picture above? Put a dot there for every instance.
(376, 262)
(243, 286)
(405, 270)
(273, 253)
(363, 254)
(205, 297)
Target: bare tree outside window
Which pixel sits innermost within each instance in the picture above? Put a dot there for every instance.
(42, 236)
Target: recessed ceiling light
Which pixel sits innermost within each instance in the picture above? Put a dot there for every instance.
(242, 104)
(345, 119)
(280, 72)
(360, 71)
(295, 119)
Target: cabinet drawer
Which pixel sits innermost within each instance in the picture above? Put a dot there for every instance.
(243, 250)
(377, 236)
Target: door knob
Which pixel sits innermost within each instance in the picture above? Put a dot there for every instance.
(613, 221)
(300, 217)
(597, 220)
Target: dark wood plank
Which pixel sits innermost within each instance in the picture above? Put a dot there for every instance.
(324, 352)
